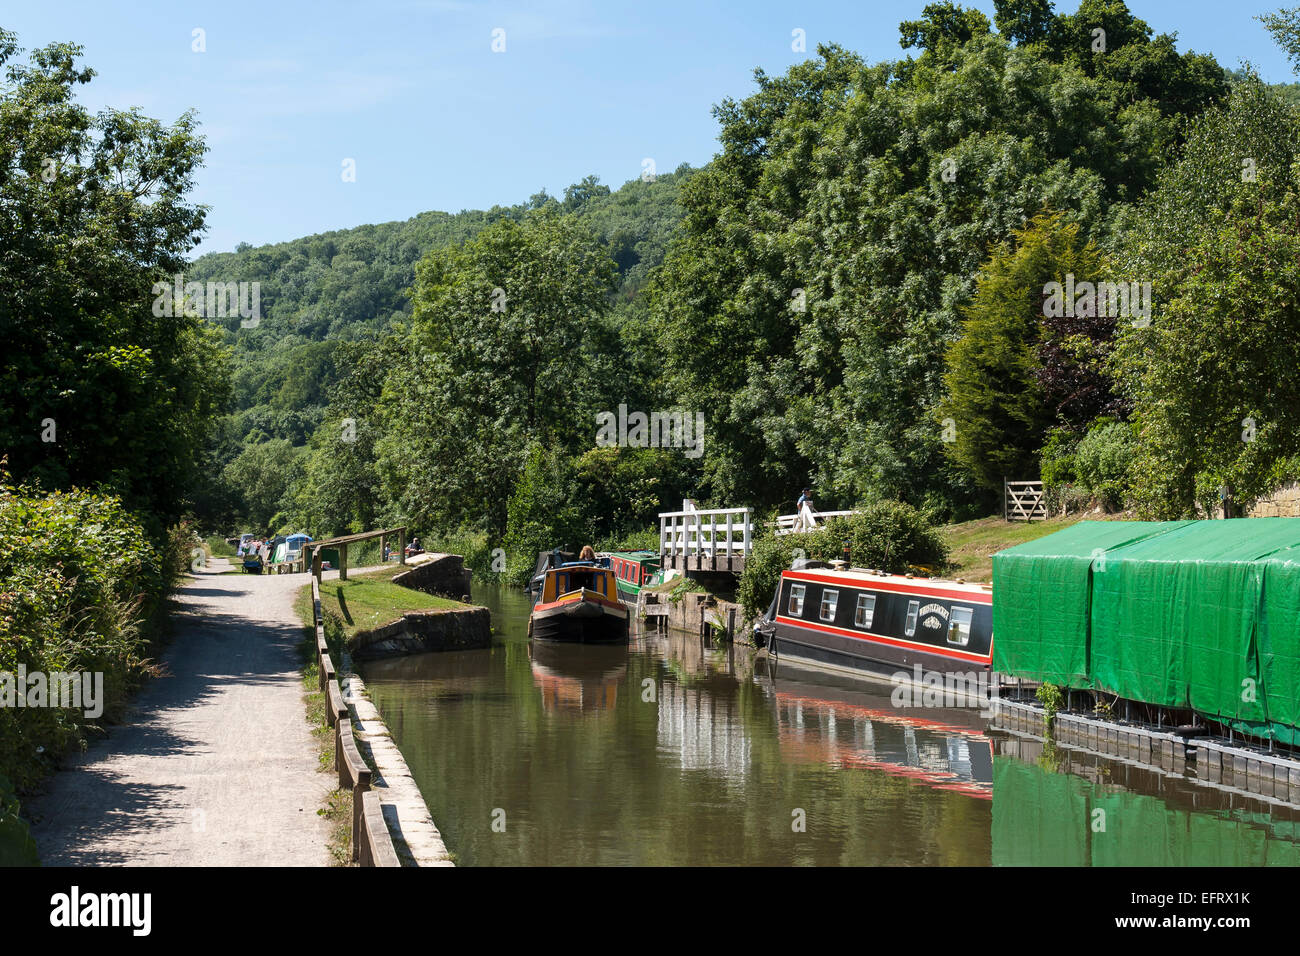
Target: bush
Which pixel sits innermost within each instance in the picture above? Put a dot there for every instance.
(79, 577)
(474, 545)
(769, 556)
(1056, 460)
(17, 848)
(1103, 460)
(647, 540)
(888, 535)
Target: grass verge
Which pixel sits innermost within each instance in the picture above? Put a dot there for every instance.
(972, 544)
(338, 802)
(371, 600)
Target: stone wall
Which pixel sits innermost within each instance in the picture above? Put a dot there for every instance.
(1283, 503)
(724, 616)
(444, 574)
(420, 631)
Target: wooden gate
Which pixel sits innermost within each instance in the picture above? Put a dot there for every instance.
(1023, 501)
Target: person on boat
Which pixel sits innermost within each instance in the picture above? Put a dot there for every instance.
(587, 554)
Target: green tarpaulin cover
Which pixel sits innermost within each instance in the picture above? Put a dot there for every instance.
(1042, 597)
(1197, 614)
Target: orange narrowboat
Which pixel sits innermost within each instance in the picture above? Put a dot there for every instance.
(578, 602)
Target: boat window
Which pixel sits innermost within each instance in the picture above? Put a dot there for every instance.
(866, 610)
(577, 580)
(830, 599)
(913, 608)
(959, 626)
(796, 600)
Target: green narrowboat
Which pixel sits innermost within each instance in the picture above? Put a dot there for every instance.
(633, 570)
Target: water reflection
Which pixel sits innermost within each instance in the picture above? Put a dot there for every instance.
(858, 729)
(1062, 807)
(675, 750)
(577, 677)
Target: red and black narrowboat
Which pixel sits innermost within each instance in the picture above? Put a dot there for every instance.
(578, 601)
(874, 623)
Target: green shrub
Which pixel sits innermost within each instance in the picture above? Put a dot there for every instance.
(474, 545)
(17, 848)
(1050, 696)
(888, 535)
(1056, 460)
(647, 540)
(769, 556)
(1103, 460)
(79, 577)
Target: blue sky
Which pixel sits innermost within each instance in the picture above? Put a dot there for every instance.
(434, 119)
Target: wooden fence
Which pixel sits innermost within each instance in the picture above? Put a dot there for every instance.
(1023, 501)
(372, 845)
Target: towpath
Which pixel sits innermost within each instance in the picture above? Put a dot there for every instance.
(216, 764)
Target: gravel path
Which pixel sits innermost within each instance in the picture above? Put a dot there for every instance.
(216, 765)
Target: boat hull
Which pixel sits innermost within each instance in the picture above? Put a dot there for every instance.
(628, 593)
(864, 657)
(588, 619)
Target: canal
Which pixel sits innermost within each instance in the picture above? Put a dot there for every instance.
(678, 750)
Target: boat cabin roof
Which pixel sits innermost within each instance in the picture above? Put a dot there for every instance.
(865, 577)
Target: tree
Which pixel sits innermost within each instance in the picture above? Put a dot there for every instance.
(1213, 378)
(508, 346)
(263, 477)
(96, 388)
(1284, 25)
(943, 26)
(1024, 21)
(829, 249)
(998, 400)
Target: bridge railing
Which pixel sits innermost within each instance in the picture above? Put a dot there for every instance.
(710, 533)
(806, 520)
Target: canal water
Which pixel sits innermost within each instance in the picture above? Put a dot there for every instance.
(679, 750)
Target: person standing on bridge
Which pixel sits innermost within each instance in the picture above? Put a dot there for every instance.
(804, 499)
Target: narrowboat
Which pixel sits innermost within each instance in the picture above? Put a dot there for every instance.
(633, 570)
(578, 602)
(871, 623)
